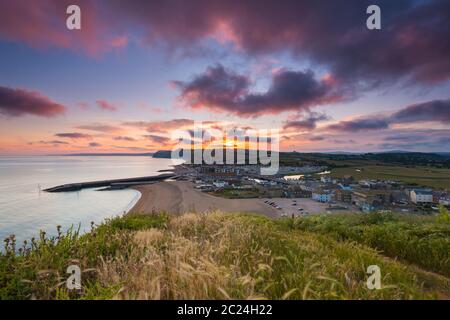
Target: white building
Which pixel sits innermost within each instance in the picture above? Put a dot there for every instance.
(220, 184)
(322, 195)
(421, 196)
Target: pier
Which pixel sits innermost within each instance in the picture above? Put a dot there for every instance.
(113, 184)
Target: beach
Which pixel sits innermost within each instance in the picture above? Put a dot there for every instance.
(178, 197)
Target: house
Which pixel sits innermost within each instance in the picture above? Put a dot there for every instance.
(438, 195)
(445, 201)
(321, 195)
(370, 199)
(421, 196)
(297, 192)
(343, 195)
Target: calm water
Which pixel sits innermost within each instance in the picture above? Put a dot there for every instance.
(24, 209)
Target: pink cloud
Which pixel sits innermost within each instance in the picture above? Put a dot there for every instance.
(105, 105)
(42, 24)
(119, 42)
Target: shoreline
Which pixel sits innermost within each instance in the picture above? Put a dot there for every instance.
(178, 197)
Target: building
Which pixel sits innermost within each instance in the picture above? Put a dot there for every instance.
(220, 184)
(438, 195)
(343, 195)
(321, 195)
(297, 192)
(421, 196)
(325, 179)
(369, 199)
(445, 201)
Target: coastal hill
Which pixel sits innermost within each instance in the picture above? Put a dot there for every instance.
(237, 256)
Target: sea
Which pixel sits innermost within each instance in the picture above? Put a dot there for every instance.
(25, 208)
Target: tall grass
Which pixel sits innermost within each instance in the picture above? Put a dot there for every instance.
(424, 241)
(213, 256)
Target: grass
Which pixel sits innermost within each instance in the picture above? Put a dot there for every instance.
(422, 176)
(238, 193)
(421, 240)
(213, 256)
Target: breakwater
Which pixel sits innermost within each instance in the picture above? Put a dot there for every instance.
(109, 183)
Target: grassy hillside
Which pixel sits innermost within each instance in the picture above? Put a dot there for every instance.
(213, 256)
(421, 240)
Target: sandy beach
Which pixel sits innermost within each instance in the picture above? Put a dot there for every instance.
(180, 196)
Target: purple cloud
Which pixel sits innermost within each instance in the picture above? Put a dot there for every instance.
(335, 37)
(327, 33)
(73, 135)
(19, 102)
(360, 124)
(433, 111)
(436, 110)
(221, 89)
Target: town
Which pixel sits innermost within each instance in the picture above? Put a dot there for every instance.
(309, 189)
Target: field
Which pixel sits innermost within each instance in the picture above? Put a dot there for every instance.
(237, 194)
(422, 176)
(422, 169)
(222, 256)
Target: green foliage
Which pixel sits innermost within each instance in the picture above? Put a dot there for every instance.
(418, 240)
(444, 216)
(38, 269)
(139, 222)
(238, 256)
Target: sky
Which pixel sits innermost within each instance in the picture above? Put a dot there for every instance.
(139, 70)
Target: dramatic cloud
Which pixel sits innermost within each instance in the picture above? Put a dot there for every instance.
(19, 102)
(221, 89)
(433, 111)
(308, 123)
(105, 105)
(326, 32)
(73, 135)
(437, 110)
